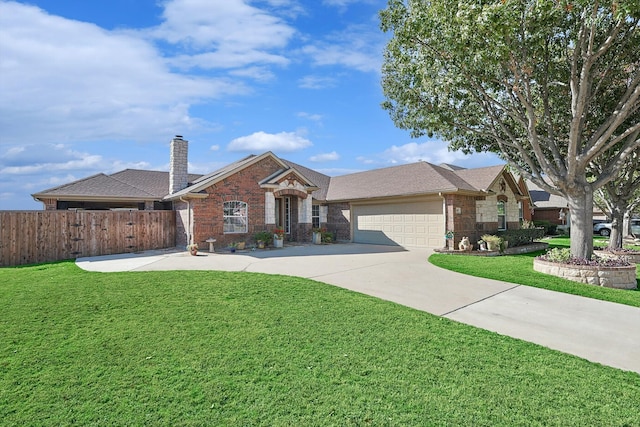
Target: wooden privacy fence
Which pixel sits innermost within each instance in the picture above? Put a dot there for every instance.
(28, 237)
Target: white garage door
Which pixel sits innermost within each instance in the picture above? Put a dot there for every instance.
(416, 224)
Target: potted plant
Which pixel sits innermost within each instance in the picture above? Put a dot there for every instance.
(263, 238)
(493, 242)
(240, 246)
(317, 235)
(193, 249)
(278, 237)
(232, 247)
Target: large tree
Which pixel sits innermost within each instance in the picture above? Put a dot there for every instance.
(619, 198)
(550, 85)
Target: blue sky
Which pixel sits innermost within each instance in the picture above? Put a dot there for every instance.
(100, 86)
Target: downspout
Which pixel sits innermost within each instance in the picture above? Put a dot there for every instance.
(188, 231)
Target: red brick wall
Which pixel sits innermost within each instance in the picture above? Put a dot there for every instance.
(242, 186)
(463, 224)
(336, 221)
(551, 215)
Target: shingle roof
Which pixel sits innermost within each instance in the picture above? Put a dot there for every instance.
(126, 184)
(481, 178)
(404, 180)
(319, 179)
(543, 199)
(225, 169)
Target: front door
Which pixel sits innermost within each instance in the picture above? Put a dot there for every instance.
(283, 214)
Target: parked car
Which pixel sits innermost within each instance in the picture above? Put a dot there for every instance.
(604, 228)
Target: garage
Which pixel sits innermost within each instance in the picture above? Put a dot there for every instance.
(411, 224)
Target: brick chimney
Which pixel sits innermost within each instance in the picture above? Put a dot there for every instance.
(178, 165)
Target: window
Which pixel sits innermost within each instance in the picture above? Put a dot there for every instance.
(283, 214)
(502, 216)
(287, 215)
(315, 216)
(235, 217)
(521, 211)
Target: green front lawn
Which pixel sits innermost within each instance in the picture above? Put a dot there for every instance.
(197, 348)
(519, 269)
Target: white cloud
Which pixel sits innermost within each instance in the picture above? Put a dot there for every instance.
(226, 59)
(344, 3)
(228, 25)
(324, 157)
(215, 147)
(365, 160)
(261, 74)
(435, 152)
(313, 117)
(262, 141)
(75, 81)
(357, 47)
(317, 82)
(49, 158)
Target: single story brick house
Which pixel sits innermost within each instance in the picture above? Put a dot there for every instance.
(411, 205)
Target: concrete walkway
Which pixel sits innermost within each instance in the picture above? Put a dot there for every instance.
(595, 330)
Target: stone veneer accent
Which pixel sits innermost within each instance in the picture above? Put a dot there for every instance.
(609, 277)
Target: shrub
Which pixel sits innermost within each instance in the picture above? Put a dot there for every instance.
(549, 228)
(491, 238)
(563, 256)
(557, 255)
(265, 236)
(524, 236)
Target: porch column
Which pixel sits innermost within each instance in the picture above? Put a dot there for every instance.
(304, 210)
(269, 208)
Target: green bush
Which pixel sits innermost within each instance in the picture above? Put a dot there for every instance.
(561, 255)
(549, 227)
(524, 236)
(265, 236)
(327, 237)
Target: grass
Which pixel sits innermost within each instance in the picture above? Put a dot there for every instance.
(519, 269)
(220, 348)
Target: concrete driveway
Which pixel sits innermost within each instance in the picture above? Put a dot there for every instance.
(599, 331)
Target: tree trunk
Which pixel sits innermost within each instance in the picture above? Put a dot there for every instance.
(581, 207)
(626, 224)
(615, 239)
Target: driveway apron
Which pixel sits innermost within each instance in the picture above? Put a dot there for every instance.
(598, 331)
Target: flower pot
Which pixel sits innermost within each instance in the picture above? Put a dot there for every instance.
(278, 243)
(233, 250)
(260, 244)
(317, 238)
(240, 246)
(193, 252)
(492, 246)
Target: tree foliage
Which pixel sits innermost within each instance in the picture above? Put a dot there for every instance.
(551, 85)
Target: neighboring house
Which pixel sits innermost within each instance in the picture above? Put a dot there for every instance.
(554, 208)
(548, 207)
(409, 205)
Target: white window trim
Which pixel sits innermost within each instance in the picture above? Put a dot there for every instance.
(243, 218)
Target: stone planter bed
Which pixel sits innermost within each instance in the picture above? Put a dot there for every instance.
(524, 249)
(610, 277)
